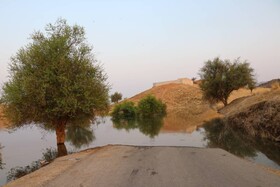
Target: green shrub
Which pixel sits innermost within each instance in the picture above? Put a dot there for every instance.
(149, 106)
(126, 109)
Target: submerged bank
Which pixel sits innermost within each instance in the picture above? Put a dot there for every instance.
(150, 166)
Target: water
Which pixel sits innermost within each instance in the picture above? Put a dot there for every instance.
(26, 145)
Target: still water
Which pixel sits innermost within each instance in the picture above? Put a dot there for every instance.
(26, 146)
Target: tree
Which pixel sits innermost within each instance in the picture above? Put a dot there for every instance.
(116, 97)
(55, 79)
(193, 79)
(150, 106)
(221, 77)
(126, 109)
(252, 85)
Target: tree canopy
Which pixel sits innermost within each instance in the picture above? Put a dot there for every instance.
(148, 107)
(116, 97)
(55, 79)
(221, 77)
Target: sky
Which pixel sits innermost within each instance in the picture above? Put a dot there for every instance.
(139, 42)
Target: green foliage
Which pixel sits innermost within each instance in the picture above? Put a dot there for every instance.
(116, 97)
(148, 126)
(126, 109)
(221, 77)
(123, 123)
(55, 78)
(220, 134)
(150, 106)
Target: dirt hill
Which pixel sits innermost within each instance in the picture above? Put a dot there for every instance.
(270, 84)
(257, 115)
(185, 107)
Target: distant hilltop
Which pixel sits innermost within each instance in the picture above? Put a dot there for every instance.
(178, 81)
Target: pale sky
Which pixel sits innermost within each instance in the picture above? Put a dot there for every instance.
(144, 41)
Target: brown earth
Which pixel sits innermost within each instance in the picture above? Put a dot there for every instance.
(257, 115)
(185, 107)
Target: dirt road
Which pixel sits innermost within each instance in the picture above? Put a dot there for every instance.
(152, 166)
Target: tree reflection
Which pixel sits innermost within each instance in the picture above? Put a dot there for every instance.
(126, 124)
(219, 134)
(48, 155)
(148, 126)
(1, 162)
(78, 133)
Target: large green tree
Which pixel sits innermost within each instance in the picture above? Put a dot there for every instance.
(221, 77)
(55, 79)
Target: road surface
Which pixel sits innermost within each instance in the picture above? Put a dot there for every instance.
(153, 166)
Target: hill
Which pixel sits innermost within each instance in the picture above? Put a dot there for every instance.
(270, 84)
(257, 115)
(185, 107)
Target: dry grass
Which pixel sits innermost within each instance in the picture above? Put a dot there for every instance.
(275, 85)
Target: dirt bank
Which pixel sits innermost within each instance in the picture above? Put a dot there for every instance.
(257, 115)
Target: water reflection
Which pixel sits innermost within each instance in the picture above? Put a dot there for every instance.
(165, 132)
(148, 126)
(78, 134)
(1, 162)
(220, 134)
(17, 172)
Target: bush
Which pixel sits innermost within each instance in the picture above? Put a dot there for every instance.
(124, 110)
(149, 106)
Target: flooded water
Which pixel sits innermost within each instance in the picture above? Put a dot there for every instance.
(22, 149)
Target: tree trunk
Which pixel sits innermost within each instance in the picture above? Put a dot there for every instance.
(225, 102)
(61, 150)
(60, 132)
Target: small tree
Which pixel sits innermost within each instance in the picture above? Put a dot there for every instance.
(116, 97)
(193, 79)
(252, 85)
(126, 109)
(221, 77)
(150, 106)
(55, 80)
